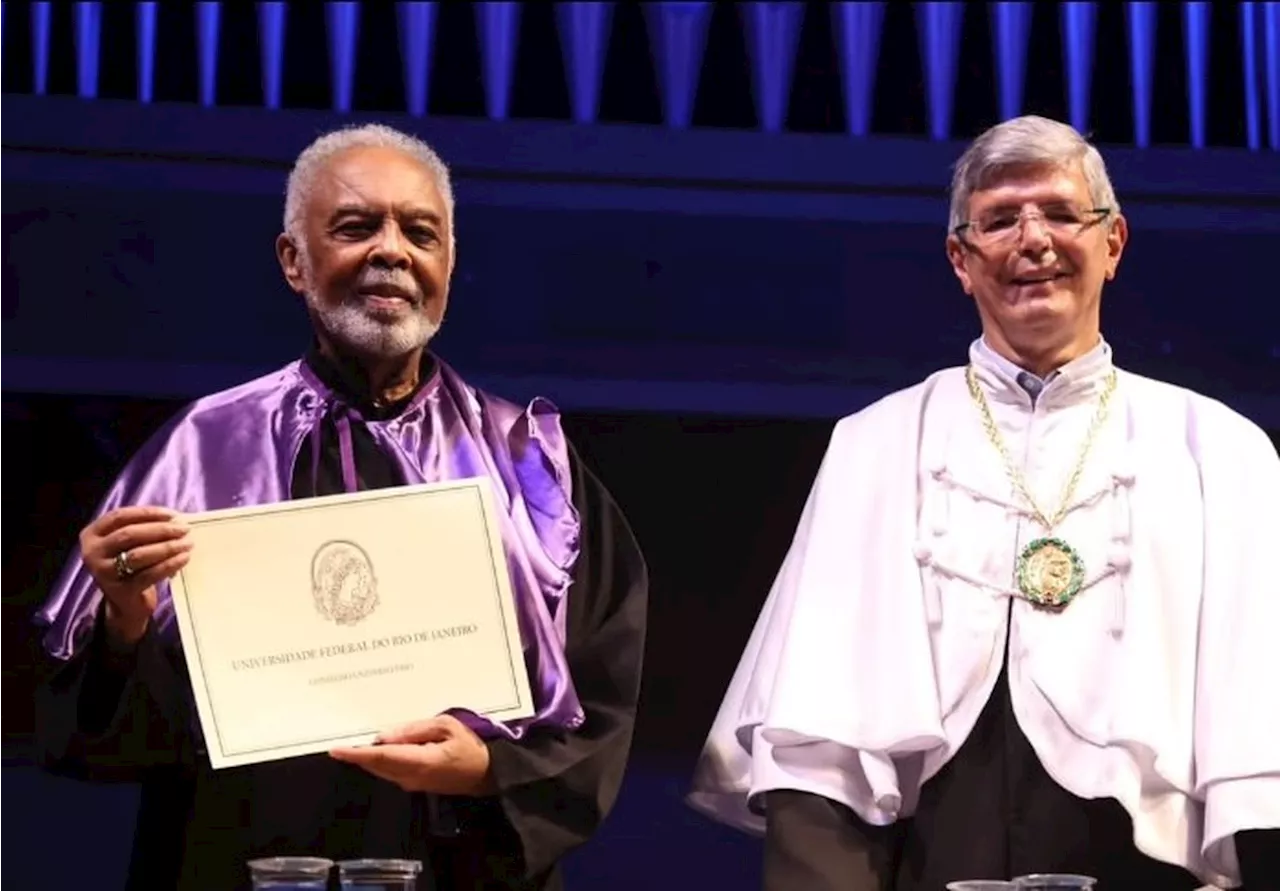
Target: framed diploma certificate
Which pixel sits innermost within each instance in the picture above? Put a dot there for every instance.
(319, 623)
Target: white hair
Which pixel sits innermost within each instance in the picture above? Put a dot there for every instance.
(1022, 142)
(317, 155)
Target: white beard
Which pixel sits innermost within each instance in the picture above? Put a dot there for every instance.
(351, 326)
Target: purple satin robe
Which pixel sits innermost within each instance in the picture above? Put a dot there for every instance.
(238, 448)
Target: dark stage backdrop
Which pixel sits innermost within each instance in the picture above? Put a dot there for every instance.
(705, 257)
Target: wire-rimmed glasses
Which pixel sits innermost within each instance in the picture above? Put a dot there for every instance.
(1006, 224)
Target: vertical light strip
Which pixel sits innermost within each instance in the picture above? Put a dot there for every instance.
(773, 35)
(498, 26)
(40, 14)
(856, 27)
(416, 24)
(678, 38)
(88, 45)
(271, 24)
(144, 25)
(343, 22)
(1271, 40)
(1195, 38)
(208, 24)
(1140, 21)
(940, 27)
(1079, 23)
(1250, 43)
(584, 43)
(1011, 22)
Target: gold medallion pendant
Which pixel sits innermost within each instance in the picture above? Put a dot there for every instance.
(1050, 573)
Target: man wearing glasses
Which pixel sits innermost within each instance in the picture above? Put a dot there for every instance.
(1028, 621)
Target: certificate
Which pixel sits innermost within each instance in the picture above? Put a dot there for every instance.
(318, 623)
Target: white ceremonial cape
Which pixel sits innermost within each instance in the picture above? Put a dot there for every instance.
(884, 633)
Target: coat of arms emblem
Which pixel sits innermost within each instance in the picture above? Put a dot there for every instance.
(343, 582)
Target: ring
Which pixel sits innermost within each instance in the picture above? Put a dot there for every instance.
(124, 569)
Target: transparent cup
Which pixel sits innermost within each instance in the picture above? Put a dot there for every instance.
(290, 873)
(379, 875)
(1053, 881)
(981, 885)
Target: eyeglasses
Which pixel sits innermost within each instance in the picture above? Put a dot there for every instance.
(1005, 224)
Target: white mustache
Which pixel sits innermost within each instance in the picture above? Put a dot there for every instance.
(402, 286)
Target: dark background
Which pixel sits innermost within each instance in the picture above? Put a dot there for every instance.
(703, 302)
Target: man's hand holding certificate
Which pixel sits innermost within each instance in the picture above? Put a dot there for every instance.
(129, 551)
(440, 755)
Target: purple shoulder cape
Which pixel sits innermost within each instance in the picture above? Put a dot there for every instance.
(238, 448)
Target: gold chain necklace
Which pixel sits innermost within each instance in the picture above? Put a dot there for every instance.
(1050, 572)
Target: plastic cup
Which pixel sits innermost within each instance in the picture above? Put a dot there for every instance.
(290, 873)
(379, 875)
(981, 885)
(1052, 881)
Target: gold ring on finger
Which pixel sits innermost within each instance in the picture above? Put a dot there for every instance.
(124, 569)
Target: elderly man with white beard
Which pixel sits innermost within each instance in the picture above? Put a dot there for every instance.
(368, 243)
(1028, 622)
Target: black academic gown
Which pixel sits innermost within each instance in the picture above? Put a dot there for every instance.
(125, 716)
(992, 812)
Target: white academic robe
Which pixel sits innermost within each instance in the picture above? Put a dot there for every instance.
(884, 633)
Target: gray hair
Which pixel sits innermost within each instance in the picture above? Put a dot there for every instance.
(1026, 141)
(316, 156)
